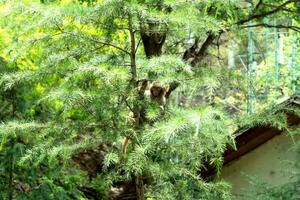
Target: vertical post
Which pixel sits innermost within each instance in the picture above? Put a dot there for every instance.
(292, 65)
(231, 56)
(190, 40)
(250, 71)
(280, 50)
(276, 56)
(266, 20)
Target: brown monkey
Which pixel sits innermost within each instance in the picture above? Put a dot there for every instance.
(158, 93)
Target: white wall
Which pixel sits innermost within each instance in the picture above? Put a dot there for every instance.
(266, 162)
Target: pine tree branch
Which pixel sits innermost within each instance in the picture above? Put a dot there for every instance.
(295, 28)
(264, 14)
(111, 45)
(210, 38)
(98, 41)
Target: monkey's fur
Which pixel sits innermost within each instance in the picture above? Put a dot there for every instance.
(156, 92)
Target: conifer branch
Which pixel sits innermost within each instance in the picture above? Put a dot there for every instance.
(99, 41)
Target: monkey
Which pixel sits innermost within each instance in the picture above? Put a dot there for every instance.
(156, 92)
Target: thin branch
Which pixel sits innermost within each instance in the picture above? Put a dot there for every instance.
(264, 14)
(127, 28)
(98, 41)
(258, 5)
(132, 52)
(295, 28)
(107, 26)
(137, 46)
(290, 10)
(127, 104)
(110, 44)
(200, 54)
(284, 9)
(206, 44)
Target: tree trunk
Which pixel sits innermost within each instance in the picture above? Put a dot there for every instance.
(11, 153)
(153, 43)
(10, 171)
(139, 187)
(153, 37)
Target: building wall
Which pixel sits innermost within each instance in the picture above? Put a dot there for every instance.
(267, 162)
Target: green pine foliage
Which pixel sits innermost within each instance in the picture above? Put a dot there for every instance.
(77, 96)
(67, 89)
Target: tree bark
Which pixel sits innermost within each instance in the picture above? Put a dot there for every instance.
(10, 171)
(11, 153)
(153, 40)
(139, 186)
(200, 54)
(193, 55)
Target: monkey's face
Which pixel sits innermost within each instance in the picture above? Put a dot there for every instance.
(156, 91)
